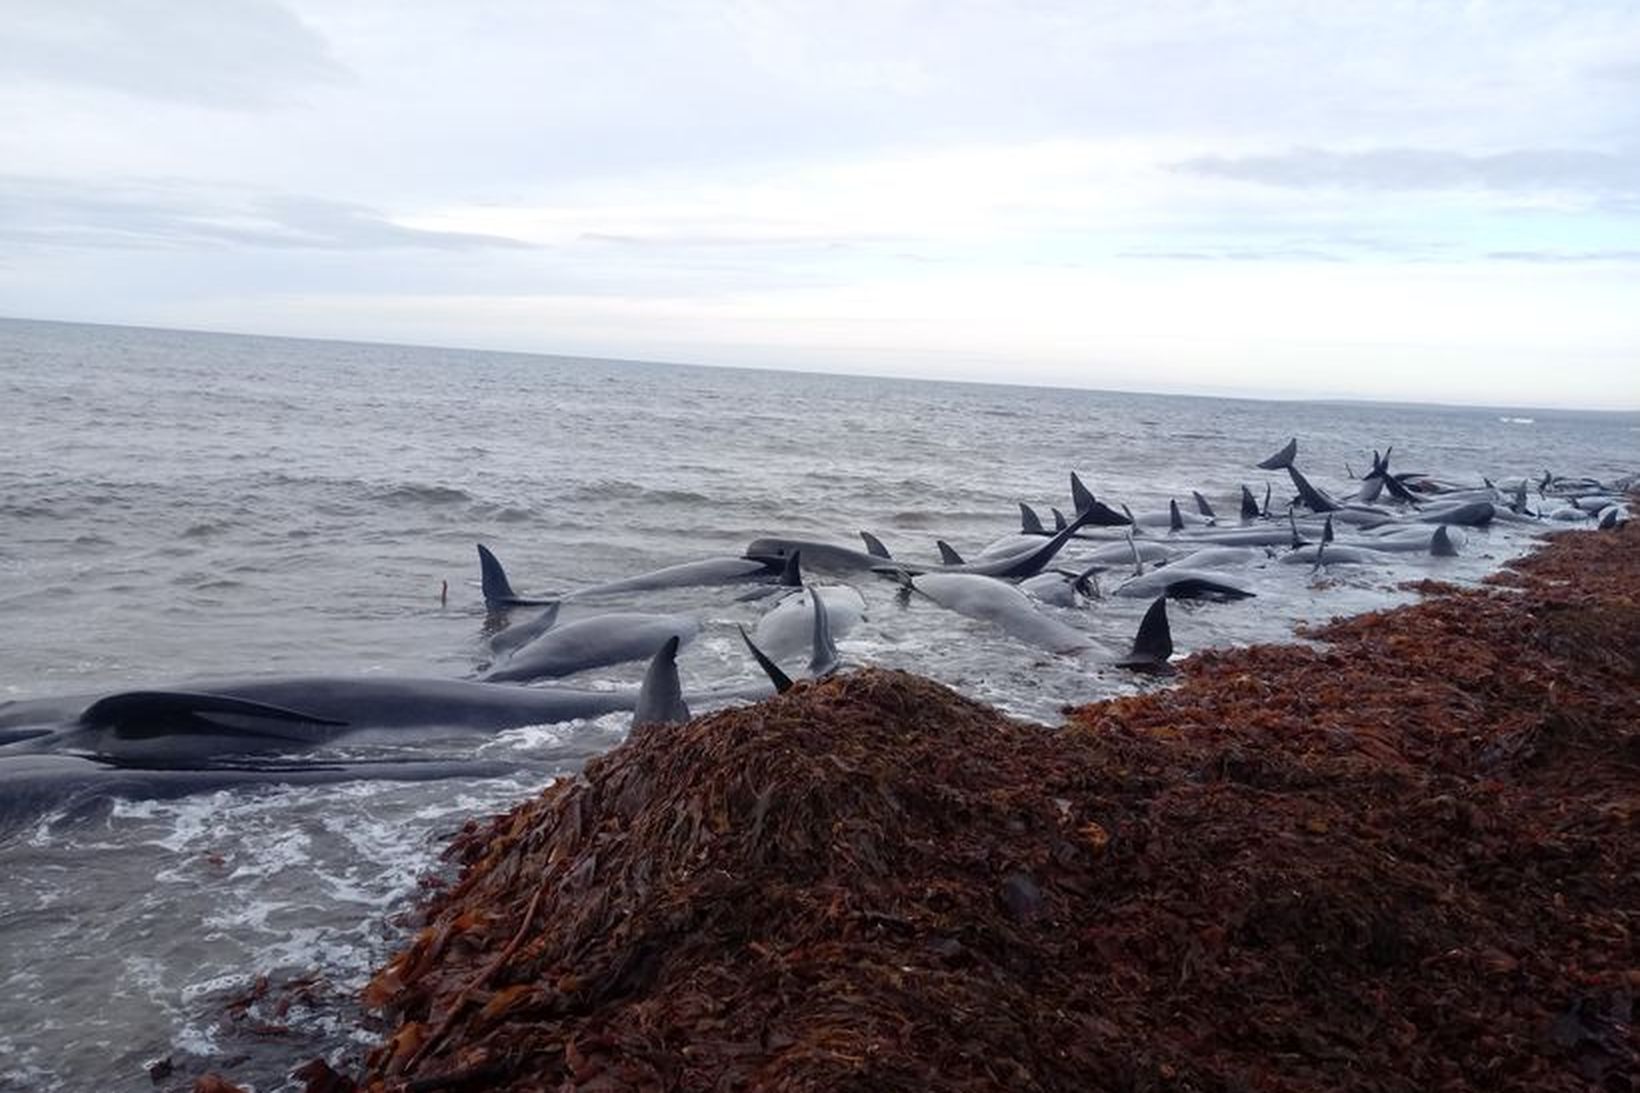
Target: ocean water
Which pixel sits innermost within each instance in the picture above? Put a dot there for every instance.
(177, 506)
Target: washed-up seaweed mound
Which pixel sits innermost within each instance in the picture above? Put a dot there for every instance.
(1404, 861)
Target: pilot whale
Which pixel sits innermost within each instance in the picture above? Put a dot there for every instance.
(594, 642)
(286, 714)
(32, 786)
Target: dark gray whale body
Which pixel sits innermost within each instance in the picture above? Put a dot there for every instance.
(32, 786)
(276, 715)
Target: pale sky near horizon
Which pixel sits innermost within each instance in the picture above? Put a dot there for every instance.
(1419, 201)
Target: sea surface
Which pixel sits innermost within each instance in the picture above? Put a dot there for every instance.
(177, 506)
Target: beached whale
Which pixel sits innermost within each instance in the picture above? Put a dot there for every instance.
(786, 629)
(287, 714)
(33, 786)
(595, 642)
(1001, 604)
(498, 592)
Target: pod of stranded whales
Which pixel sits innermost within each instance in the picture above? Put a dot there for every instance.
(207, 736)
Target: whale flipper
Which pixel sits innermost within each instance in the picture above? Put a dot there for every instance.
(823, 659)
(1153, 645)
(1283, 458)
(948, 553)
(1029, 522)
(498, 591)
(140, 715)
(874, 545)
(782, 682)
(660, 698)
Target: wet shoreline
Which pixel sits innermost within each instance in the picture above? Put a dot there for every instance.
(1399, 858)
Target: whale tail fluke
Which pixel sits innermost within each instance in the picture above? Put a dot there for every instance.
(874, 545)
(782, 682)
(660, 697)
(1283, 458)
(1081, 496)
(1154, 643)
(1029, 522)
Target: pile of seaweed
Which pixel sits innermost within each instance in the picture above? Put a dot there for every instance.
(1402, 859)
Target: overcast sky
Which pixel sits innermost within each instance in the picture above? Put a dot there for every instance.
(1393, 200)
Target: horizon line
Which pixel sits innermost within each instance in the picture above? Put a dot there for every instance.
(1238, 397)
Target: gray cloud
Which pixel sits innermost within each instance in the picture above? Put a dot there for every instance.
(62, 214)
(1525, 170)
(234, 54)
(1554, 256)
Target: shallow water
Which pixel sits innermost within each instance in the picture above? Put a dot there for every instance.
(179, 505)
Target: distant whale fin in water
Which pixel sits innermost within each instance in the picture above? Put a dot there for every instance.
(1202, 506)
(1058, 518)
(660, 697)
(874, 545)
(1029, 522)
(782, 682)
(138, 715)
(1249, 505)
(1175, 518)
(823, 660)
(948, 553)
(1154, 643)
(1283, 458)
(498, 591)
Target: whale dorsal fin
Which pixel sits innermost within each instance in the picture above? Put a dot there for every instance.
(1029, 522)
(782, 682)
(1283, 458)
(1058, 518)
(874, 545)
(498, 591)
(1202, 506)
(138, 715)
(1441, 544)
(1249, 505)
(948, 553)
(1154, 642)
(660, 697)
(791, 574)
(1175, 519)
(823, 658)
(1266, 499)
(1327, 530)
(1314, 498)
